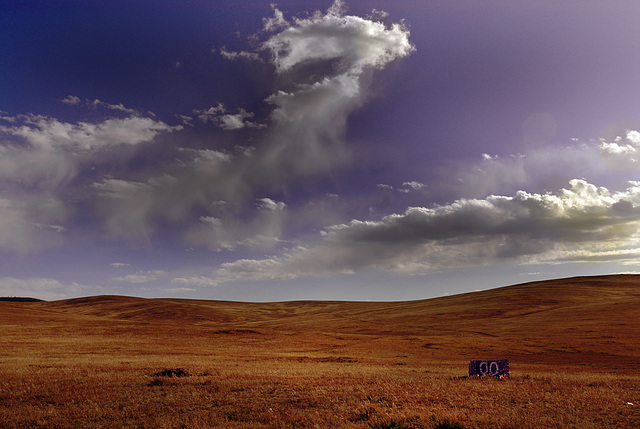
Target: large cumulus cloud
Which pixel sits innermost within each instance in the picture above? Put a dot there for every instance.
(579, 223)
(304, 136)
(121, 178)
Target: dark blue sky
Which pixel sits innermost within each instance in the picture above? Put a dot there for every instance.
(236, 150)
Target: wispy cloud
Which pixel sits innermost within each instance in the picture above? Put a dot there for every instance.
(27, 224)
(179, 290)
(141, 276)
(226, 232)
(120, 265)
(42, 161)
(76, 101)
(540, 166)
(235, 55)
(46, 133)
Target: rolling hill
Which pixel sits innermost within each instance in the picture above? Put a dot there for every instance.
(117, 361)
(585, 320)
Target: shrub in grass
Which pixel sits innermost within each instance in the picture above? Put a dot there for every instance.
(177, 372)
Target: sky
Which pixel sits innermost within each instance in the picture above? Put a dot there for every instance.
(360, 150)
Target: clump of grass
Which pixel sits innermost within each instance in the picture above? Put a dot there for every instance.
(177, 372)
(156, 382)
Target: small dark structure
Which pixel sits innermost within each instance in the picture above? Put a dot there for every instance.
(496, 368)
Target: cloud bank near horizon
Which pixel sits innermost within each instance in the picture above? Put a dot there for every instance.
(580, 223)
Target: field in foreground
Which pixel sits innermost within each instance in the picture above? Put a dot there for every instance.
(573, 346)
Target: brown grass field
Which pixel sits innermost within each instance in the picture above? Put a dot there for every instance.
(112, 361)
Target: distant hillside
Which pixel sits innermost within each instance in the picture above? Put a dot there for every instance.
(19, 299)
(582, 319)
(534, 302)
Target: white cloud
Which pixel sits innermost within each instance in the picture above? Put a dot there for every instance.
(633, 136)
(228, 232)
(131, 208)
(36, 169)
(196, 280)
(58, 170)
(126, 207)
(211, 220)
(305, 137)
(580, 213)
(38, 175)
(75, 101)
(275, 23)
(377, 14)
(242, 270)
(541, 167)
(238, 120)
(42, 288)
(579, 223)
(309, 121)
(57, 228)
(119, 107)
(71, 99)
(357, 41)
(46, 133)
(623, 153)
(234, 122)
(227, 121)
(269, 204)
(179, 290)
(416, 186)
(186, 120)
(234, 55)
(595, 253)
(44, 164)
(141, 276)
(211, 113)
(27, 224)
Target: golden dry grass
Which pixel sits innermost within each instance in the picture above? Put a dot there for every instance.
(573, 345)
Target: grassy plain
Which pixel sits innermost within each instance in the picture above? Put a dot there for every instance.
(110, 361)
